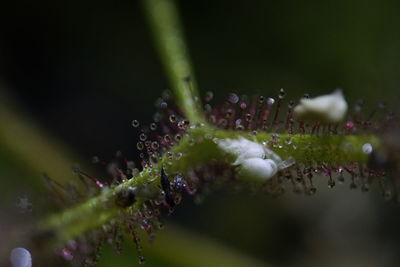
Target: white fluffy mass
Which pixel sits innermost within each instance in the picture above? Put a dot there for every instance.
(330, 108)
(20, 257)
(256, 162)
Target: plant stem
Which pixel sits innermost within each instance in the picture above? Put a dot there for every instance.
(167, 32)
(310, 149)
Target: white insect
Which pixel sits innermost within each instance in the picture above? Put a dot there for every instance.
(330, 108)
(255, 161)
(20, 257)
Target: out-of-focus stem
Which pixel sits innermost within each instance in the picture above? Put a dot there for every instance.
(167, 32)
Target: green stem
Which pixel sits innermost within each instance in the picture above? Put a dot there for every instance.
(163, 19)
(305, 149)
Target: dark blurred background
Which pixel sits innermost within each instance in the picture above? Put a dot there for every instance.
(81, 71)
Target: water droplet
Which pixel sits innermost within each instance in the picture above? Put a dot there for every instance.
(178, 137)
(270, 101)
(155, 145)
(163, 105)
(20, 257)
(233, 98)
(95, 159)
(142, 137)
(222, 122)
(139, 145)
(142, 260)
(207, 108)
(282, 93)
(367, 148)
(312, 191)
(172, 118)
(66, 254)
(153, 126)
(191, 141)
(135, 123)
(177, 199)
(248, 117)
(166, 95)
(209, 96)
(349, 125)
(178, 155)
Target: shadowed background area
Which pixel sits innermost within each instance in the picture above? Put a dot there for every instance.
(76, 73)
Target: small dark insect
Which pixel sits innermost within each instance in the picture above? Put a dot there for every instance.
(125, 197)
(166, 187)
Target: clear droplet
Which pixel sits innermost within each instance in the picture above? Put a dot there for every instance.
(139, 145)
(95, 159)
(233, 98)
(282, 93)
(153, 126)
(178, 137)
(142, 260)
(367, 148)
(142, 137)
(209, 96)
(155, 145)
(135, 123)
(20, 257)
(172, 118)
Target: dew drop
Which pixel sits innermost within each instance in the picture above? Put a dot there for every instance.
(191, 141)
(163, 105)
(142, 137)
(20, 257)
(207, 108)
(209, 96)
(248, 117)
(67, 254)
(177, 199)
(222, 122)
(95, 159)
(229, 113)
(172, 118)
(139, 145)
(178, 155)
(155, 145)
(167, 138)
(349, 125)
(135, 123)
(367, 148)
(312, 191)
(282, 93)
(233, 98)
(270, 101)
(153, 126)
